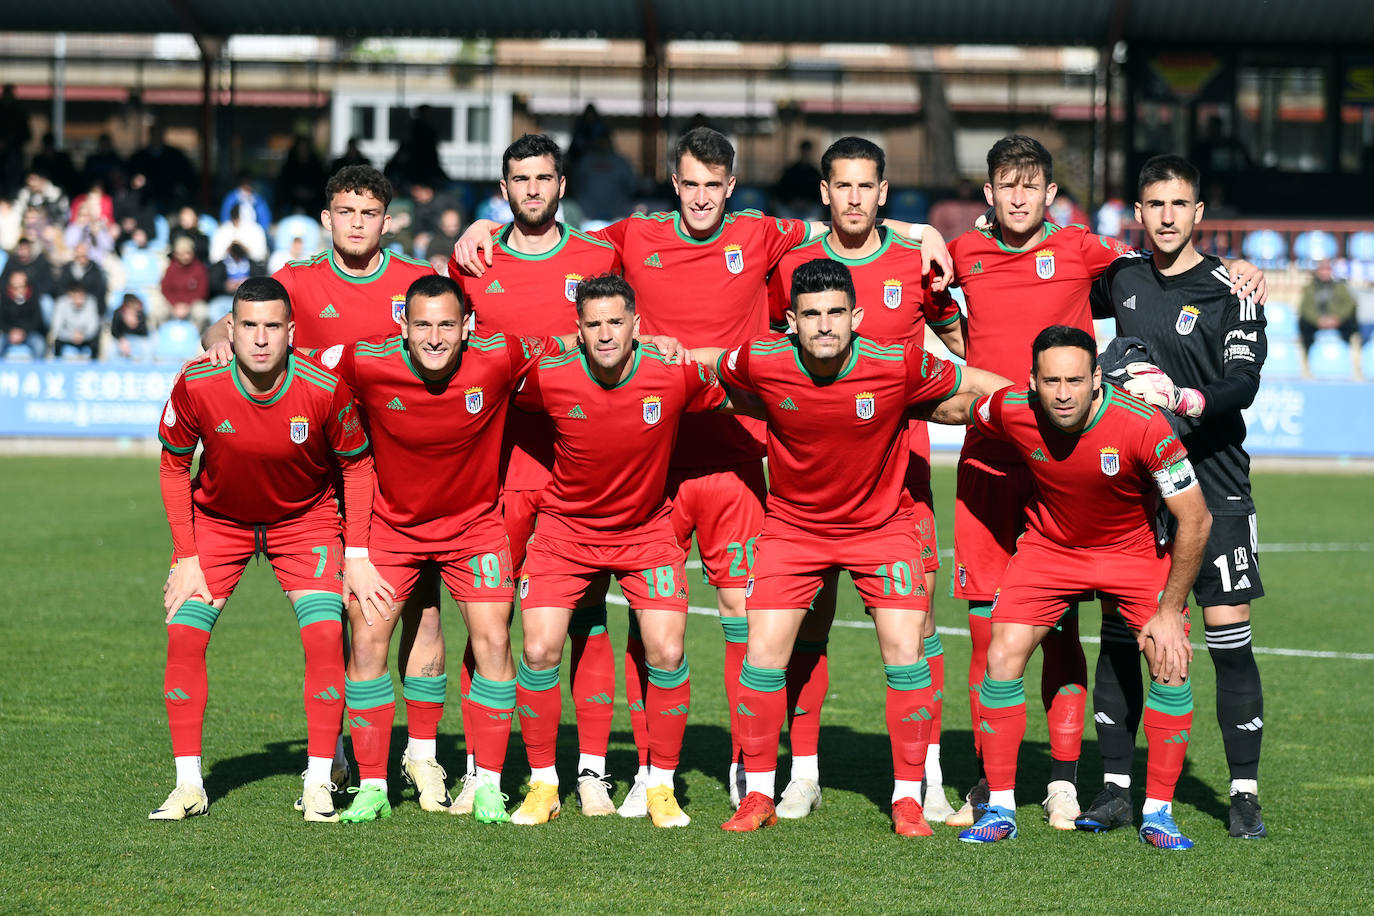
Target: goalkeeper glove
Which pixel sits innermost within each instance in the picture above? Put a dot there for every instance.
(1150, 383)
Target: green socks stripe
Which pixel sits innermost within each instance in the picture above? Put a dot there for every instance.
(425, 689)
(908, 677)
(527, 677)
(379, 691)
(1001, 694)
(588, 621)
(664, 679)
(934, 647)
(318, 607)
(980, 609)
(1171, 699)
(196, 614)
(492, 694)
(736, 628)
(765, 680)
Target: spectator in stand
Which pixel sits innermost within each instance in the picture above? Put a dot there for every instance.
(75, 325)
(47, 237)
(797, 193)
(133, 208)
(86, 273)
(957, 214)
(186, 284)
(1067, 211)
(102, 162)
(96, 200)
(240, 227)
(92, 223)
(450, 228)
(28, 258)
(229, 271)
(604, 182)
(129, 328)
(11, 224)
(427, 207)
(351, 156)
(14, 136)
(245, 196)
(170, 177)
(301, 180)
(1328, 304)
(188, 226)
(21, 319)
(56, 164)
(40, 191)
(293, 252)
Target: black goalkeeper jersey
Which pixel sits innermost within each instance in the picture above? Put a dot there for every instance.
(1203, 337)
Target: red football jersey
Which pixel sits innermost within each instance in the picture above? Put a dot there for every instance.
(436, 444)
(523, 294)
(707, 293)
(896, 298)
(330, 307)
(837, 448)
(1098, 487)
(611, 453)
(267, 458)
(1011, 296)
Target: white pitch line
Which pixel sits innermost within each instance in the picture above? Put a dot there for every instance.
(960, 631)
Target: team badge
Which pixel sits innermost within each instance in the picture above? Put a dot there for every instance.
(1187, 320)
(653, 409)
(892, 293)
(1111, 460)
(169, 416)
(473, 401)
(963, 576)
(749, 587)
(570, 282)
(1044, 263)
(524, 587)
(398, 309)
(734, 258)
(300, 429)
(863, 405)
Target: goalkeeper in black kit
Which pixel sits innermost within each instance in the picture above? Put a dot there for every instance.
(1206, 348)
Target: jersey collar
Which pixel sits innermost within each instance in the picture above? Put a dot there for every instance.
(1048, 230)
(687, 236)
(504, 242)
(381, 268)
(885, 236)
(634, 367)
(283, 383)
(410, 364)
(819, 380)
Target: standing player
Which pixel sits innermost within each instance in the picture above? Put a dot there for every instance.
(898, 305)
(351, 292)
(434, 400)
(529, 289)
(615, 406)
(1207, 345)
(271, 423)
(834, 400)
(1100, 461)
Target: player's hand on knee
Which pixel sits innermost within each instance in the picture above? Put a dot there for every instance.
(373, 593)
(185, 581)
(1172, 652)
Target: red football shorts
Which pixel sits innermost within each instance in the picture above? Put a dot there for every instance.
(478, 573)
(724, 506)
(918, 485)
(559, 573)
(306, 552)
(989, 515)
(518, 508)
(884, 564)
(1043, 577)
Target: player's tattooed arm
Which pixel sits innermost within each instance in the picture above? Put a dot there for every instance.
(1169, 651)
(472, 251)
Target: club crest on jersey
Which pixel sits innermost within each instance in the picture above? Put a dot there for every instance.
(1111, 460)
(653, 409)
(863, 405)
(398, 309)
(892, 293)
(1044, 263)
(734, 258)
(473, 399)
(749, 587)
(1187, 320)
(524, 586)
(300, 429)
(570, 282)
(963, 576)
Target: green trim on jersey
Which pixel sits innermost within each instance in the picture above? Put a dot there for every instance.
(946, 322)
(826, 380)
(634, 367)
(202, 370)
(325, 380)
(496, 340)
(1048, 229)
(886, 235)
(503, 240)
(387, 347)
(767, 347)
(290, 375)
(1126, 402)
(175, 449)
(354, 451)
(874, 350)
(387, 255)
(725, 220)
(402, 256)
(554, 360)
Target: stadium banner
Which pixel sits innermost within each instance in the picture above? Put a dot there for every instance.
(1309, 418)
(113, 400)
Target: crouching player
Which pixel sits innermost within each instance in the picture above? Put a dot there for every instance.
(836, 408)
(615, 406)
(272, 423)
(434, 399)
(1100, 459)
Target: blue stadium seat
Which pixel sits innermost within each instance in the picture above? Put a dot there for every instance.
(176, 340)
(1265, 247)
(220, 306)
(748, 198)
(4, 258)
(297, 226)
(143, 269)
(1313, 246)
(1329, 357)
(1284, 359)
(207, 224)
(1367, 359)
(1282, 321)
(910, 205)
(1360, 247)
(162, 231)
(46, 304)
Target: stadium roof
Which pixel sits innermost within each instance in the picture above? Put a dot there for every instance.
(924, 22)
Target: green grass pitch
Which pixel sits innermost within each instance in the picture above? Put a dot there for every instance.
(86, 755)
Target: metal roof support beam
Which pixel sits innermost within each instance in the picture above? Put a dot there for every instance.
(649, 123)
(211, 46)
